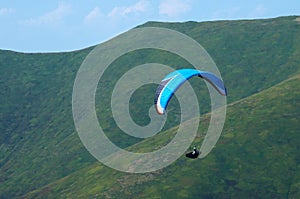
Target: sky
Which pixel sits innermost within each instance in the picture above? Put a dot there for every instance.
(65, 25)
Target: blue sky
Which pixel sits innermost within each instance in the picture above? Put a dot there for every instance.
(65, 25)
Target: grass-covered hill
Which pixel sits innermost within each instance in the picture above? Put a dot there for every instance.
(257, 156)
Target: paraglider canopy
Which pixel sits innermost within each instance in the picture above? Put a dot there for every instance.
(174, 80)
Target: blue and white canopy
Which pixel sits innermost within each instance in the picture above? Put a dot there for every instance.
(174, 80)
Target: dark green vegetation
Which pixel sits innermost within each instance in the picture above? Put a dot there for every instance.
(257, 155)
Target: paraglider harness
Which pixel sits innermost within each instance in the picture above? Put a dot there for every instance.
(194, 154)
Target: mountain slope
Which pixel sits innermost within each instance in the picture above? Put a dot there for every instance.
(36, 120)
(256, 50)
(38, 141)
(251, 160)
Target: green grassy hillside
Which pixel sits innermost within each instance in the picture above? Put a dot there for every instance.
(36, 123)
(252, 160)
(39, 144)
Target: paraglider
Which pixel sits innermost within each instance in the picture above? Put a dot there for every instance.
(174, 80)
(194, 154)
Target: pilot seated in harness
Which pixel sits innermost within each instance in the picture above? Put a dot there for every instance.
(194, 154)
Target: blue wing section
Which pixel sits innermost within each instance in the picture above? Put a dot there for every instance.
(216, 82)
(174, 80)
